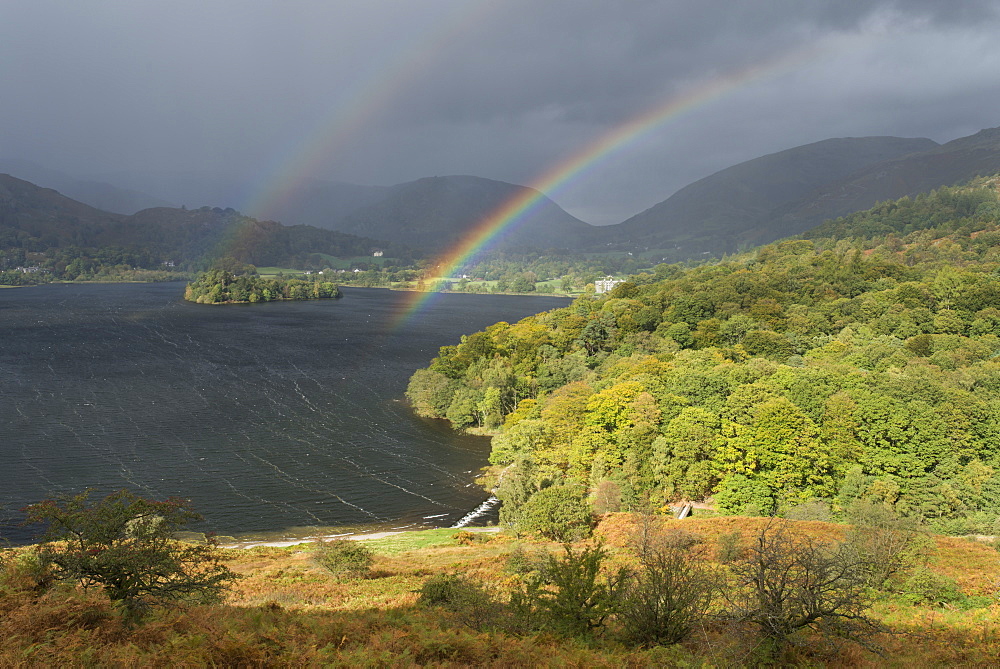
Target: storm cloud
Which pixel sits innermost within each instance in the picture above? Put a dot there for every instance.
(381, 92)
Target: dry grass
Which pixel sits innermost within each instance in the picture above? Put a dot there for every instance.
(288, 611)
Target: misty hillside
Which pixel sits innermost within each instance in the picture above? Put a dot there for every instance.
(433, 213)
(323, 204)
(39, 219)
(98, 194)
(429, 214)
(754, 202)
(733, 207)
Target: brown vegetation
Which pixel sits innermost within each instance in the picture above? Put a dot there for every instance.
(290, 611)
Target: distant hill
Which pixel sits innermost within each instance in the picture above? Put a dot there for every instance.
(318, 202)
(949, 164)
(754, 202)
(97, 194)
(37, 219)
(323, 204)
(429, 214)
(192, 188)
(29, 212)
(735, 206)
(434, 213)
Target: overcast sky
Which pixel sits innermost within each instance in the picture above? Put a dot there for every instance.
(382, 92)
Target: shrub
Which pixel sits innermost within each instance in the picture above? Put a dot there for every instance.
(668, 597)
(344, 558)
(814, 509)
(885, 544)
(27, 570)
(559, 513)
(577, 597)
(466, 600)
(519, 561)
(729, 547)
(926, 587)
(466, 538)
(124, 544)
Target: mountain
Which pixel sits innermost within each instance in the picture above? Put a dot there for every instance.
(430, 213)
(97, 194)
(29, 212)
(39, 219)
(754, 202)
(323, 204)
(434, 213)
(949, 164)
(732, 207)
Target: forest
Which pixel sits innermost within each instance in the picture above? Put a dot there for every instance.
(859, 363)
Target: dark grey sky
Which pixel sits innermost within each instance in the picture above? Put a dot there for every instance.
(381, 92)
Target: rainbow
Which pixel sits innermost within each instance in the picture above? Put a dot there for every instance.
(514, 210)
(387, 78)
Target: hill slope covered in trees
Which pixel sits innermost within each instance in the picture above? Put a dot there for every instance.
(836, 368)
(39, 226)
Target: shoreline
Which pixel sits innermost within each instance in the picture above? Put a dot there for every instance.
(362, 533)
(399, 289)
(287, 543)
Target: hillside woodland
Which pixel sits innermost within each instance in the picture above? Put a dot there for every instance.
(859, 363)
(738, 206)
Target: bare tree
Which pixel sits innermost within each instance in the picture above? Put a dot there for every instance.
(786, 583)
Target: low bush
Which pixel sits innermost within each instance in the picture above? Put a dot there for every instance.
(886, 545)
(26, 570)
(467, 601)
(124, 545)
(788, 583)
(925, 587)
(671, 594)
(344, 558)
(577, 595)
(729, 547)
(521, 562)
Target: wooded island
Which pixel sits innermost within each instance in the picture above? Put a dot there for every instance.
(222, 285)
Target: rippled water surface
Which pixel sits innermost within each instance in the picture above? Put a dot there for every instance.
(273, 418)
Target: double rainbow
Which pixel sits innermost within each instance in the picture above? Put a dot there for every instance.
(513, 211)
(389, 74)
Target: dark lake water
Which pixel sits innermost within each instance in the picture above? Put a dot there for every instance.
(274, 419)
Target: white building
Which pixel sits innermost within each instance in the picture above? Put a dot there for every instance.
(606, 284)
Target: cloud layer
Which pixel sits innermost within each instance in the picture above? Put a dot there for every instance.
(380, 91)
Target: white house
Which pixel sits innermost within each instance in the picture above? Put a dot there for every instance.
(606, 284)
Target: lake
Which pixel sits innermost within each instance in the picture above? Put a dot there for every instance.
(277, 420)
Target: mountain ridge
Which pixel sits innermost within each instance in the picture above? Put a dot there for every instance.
(36, 219)
(97, 194)
(434, 212)
(738, 199)
(754, 202)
